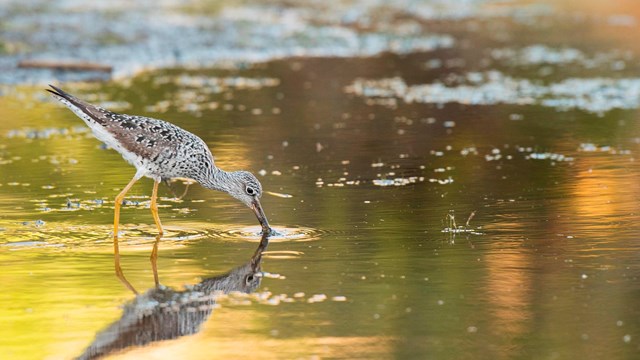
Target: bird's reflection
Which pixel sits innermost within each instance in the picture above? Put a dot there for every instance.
(154, 265)
(162, 313)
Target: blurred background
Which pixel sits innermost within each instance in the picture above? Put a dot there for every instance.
(451, 180)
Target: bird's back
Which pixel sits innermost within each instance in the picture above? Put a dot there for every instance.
(158, 149)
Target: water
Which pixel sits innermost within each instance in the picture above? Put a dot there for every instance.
(368, 262)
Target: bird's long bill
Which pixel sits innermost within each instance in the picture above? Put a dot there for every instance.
(262, 218)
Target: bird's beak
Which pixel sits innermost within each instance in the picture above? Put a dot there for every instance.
(262, 218)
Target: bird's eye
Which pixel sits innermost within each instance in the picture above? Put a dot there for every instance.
(249, 279)
(251, 191)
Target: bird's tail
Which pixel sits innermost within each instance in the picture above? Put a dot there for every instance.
(61, 94)
(84, 110)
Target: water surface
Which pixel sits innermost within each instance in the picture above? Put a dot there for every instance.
(366, 184)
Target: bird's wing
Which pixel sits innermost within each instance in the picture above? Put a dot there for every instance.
(139, 136)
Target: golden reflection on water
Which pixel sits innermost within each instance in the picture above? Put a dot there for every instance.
(162, 313)
(605, 191)
(535, 279)
(509, 291)
(215, 343)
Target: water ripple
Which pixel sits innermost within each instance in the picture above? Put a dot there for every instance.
(282, 234)
(86, 236)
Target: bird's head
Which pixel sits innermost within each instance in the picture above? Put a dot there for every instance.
(246, 188)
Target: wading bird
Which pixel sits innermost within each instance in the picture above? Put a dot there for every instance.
(161, 151)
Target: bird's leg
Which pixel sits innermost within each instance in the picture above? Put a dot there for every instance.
(116, 221)
(185, 191)
(154, 207)
(168, 183)
(118, 204)
(154, 260)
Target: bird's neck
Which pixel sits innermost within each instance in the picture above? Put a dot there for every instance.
(217, 179)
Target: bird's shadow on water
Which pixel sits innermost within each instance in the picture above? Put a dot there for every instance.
(162, 313)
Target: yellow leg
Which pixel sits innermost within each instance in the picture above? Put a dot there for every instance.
(118, 204)
(154, 207)
(116, 221)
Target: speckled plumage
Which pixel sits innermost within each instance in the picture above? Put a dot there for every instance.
(158, 149)
(162, 151)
